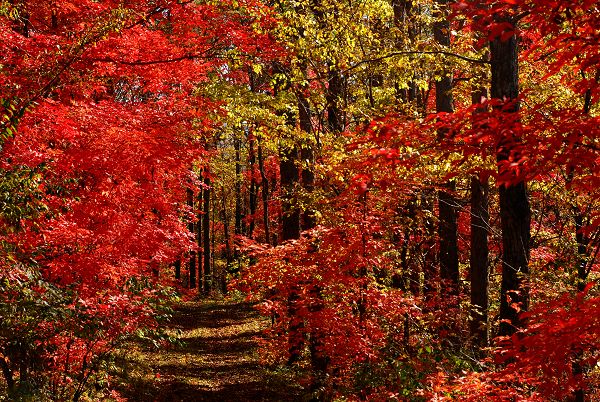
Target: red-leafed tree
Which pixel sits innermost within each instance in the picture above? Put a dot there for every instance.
(100, 128)
(534, 137)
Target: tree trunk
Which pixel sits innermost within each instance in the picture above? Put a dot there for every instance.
(265, 193)
(177, 265)
(228, 253)
(430, 273)
(253, 185)
(515, 212)
(201, 217)
(192, 259)
(448, 234)
(334, 95)
(207, 283)
(289, 178)
(307, 156)
(238, 188)
(448, 229)
(216, 277)
(479, 263)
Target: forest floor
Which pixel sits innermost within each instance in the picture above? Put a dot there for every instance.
(214, 360)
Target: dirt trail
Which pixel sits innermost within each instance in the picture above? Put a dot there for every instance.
(217, 360)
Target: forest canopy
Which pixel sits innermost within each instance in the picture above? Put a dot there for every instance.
(408, 190)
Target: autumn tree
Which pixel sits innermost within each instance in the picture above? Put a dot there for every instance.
(101, 137)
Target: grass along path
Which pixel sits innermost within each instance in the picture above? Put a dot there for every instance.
(216, 361)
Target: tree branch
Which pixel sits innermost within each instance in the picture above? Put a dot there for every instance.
(418, 53)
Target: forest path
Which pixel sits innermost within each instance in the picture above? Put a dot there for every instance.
(216, 360)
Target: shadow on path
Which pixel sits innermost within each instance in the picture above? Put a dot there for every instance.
(216, 360)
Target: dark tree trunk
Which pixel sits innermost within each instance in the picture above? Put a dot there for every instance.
(289, 178)
(54, 19)
(238, 188)
(253, 185)
(216, 277)
(199, 238)
(448, 234)
(192, 259)
(448, 229)
(290, 225)
(307, 156)
(265, 194)
(228, 253)
(515, 218)
(335, 93)
(515, 212)
(206, 250)
(177, 265)
(479, 263)
(26, 24)
(430, 272)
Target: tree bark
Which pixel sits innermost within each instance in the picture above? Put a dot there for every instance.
(334, 95)
(307, 156)
(447, 210)
(430, 273)
(206, 250)
(253, 185)
(177, 266)
(515, 212)
(192, 259)
(479, 262)
(199, 238)
(290, 225)
(238, 188)
(265, 194)
(228, 253)
(289, 179)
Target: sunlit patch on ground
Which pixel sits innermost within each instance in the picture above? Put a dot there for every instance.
(216, 360)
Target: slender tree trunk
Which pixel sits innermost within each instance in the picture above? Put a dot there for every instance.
(54, 19)
(479, 260)
(253, 185)
(290, 224)
(26, 24)
(289, 179)
(515, 212)
(208, 276)
(307, 156)
(448, 229)
(430, 272)
(201, 275)
(217, 277)
(192, 259)
(479, 264)
(334, 96)
(582, 273)
(238, 188)
(265, 193)
(228, 253)
(177, 266)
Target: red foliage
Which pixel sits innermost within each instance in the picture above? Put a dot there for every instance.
(97, 103)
